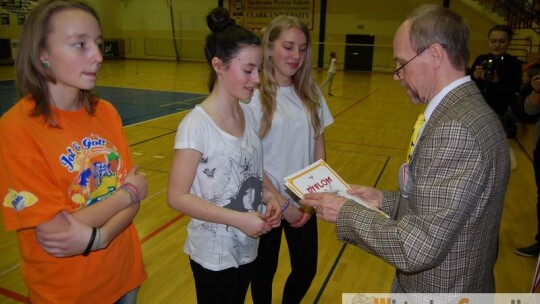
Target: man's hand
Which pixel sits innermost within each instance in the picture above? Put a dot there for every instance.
(327, 205)
(370, 195)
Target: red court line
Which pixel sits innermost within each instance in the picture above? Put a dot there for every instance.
(13, 295)
(162, 227)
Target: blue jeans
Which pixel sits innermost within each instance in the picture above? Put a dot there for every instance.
(129, 298)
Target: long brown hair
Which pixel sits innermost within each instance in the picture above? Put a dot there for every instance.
(303, 81)
(32, 74)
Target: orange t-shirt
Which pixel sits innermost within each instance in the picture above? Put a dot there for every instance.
(44, 170)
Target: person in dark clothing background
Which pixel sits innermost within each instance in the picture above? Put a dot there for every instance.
(498, 74)
(530, 94)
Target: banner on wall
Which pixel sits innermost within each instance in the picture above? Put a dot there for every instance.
(256, 14)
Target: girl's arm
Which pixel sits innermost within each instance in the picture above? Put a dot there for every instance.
(179, 197)
(286, 209)
(320, 148)
(76, 238)
(68, 234)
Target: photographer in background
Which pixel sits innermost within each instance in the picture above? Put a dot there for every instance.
(498, 74)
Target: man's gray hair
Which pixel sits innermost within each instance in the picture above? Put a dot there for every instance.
(431, 23)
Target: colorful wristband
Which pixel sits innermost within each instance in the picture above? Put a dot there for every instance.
(286, 205)
(132, 191)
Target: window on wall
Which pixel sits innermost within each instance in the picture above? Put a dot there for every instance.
(4, 19)
(10, 3)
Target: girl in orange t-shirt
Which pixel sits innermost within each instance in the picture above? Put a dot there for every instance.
(67, 180)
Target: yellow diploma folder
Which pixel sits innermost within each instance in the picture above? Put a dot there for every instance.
(320, 177)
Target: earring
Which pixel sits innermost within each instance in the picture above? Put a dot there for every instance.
(269, 55)
(45, 64)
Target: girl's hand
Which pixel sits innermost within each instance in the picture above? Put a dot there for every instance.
(302, 220)
(254, 224)
(138, 179)
(273, 212)
(67, 243)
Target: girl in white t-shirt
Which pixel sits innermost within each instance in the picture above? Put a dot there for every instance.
(291, 115)
(331, 73)
(217, 176)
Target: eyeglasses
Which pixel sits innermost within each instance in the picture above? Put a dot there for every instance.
(397, 72)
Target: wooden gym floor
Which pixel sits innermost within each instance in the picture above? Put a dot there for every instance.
(365, 145)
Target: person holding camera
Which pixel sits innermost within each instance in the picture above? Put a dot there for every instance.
(498, 74)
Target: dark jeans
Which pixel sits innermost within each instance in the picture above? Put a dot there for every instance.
(227, 286)
(303, 252)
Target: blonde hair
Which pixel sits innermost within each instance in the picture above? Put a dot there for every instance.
(303, 81)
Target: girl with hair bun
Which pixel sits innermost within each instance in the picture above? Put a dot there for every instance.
(216, 175)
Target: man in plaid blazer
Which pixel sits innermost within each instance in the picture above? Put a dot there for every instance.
(442, 234)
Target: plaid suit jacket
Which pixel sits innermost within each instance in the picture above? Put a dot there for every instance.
(444, 237)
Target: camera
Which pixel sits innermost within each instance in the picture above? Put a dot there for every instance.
(489, 67)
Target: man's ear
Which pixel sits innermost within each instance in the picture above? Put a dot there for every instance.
(436, 52)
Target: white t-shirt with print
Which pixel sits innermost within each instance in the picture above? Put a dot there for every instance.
(229, 175)
(290, 144)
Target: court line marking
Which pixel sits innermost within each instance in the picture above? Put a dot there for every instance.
(182, 101)
(10, 269)
(149, 120)
(13, 295)
(355, 104)
(162, 228)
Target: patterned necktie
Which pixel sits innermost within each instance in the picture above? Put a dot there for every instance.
(417, 127)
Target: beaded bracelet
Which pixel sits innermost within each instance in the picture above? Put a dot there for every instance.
(91, 242)
(132, 191)
(286, 205)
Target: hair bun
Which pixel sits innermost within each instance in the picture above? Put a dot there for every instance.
(218, 19)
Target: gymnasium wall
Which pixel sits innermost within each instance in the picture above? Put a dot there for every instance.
(146, 26)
